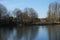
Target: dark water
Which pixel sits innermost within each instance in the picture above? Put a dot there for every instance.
(51, 32)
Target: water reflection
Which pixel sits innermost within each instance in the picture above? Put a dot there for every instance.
(42, 33)
(31, 33)
(27, 33)
(54, 32)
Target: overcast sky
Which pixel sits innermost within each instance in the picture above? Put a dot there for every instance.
(41, 6)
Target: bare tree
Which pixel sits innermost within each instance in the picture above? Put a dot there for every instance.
(26, 15)
(53, 12)
(33, 14)
(3, 10)
(18, 13)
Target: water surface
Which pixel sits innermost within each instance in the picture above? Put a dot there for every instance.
(51, 32)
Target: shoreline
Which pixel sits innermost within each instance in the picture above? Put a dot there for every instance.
(12, 24)
(21, 25)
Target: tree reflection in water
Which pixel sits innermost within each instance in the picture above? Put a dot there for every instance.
(7, 34)
(19, 33)
(54, 32)
(51, 32)
(27, 33)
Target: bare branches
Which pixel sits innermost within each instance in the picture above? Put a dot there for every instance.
(53, 12)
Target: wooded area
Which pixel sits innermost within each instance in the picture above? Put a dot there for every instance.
(54, 12)
(29, 15)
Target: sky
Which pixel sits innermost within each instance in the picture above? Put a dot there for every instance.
(40, 6)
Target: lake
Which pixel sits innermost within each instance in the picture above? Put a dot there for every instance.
(48, 32)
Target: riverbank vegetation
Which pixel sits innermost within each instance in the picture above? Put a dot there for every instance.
(29, 15)
(54, 12)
